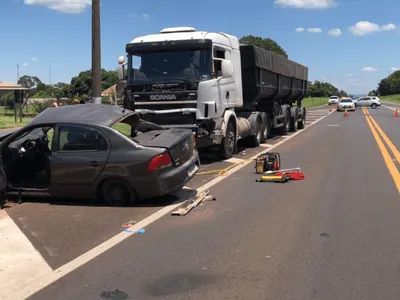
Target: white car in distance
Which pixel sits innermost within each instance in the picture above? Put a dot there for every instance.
(333, 100)
(346, 104)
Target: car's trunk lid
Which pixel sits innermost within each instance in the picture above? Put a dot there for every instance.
(178, 142)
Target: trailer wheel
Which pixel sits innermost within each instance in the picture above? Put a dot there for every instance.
(302, 122)
(294, 122)
(286, 125)
(256, 139)
(266, 131)
(227, 146)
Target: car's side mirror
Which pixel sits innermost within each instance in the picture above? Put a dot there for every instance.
(226, 68)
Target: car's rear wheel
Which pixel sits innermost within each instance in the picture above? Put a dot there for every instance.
(116, 192)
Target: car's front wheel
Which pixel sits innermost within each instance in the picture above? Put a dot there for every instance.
(116, 192)
(374, 106)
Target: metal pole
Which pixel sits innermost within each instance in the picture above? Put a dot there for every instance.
(17, 73)
(96, 53)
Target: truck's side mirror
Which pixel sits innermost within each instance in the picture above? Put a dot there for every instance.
(121, 69)
(226, 68)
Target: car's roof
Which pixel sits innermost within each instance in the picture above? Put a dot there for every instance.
(83, 113)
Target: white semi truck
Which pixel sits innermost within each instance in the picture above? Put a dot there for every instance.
(207, 81)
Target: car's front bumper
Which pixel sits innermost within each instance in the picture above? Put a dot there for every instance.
(169, 180)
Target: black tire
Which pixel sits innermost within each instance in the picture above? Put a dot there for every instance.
(294, 122)
(227, 146)
(302, 123)
(257, 138)
(374, 105)
(266, 130)
(286, 124)
(117, 192)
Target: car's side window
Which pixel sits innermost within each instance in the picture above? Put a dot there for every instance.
(80, 138)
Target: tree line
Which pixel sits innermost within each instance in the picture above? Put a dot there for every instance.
(388, 86)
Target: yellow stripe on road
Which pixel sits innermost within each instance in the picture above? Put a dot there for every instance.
(386, 156)
(386, 139)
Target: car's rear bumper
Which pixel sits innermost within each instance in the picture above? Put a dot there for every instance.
(169, 180)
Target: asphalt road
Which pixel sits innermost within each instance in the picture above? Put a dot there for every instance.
(62, 230)
(331, 236)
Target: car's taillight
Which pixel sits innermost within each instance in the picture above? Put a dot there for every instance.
(160, 162)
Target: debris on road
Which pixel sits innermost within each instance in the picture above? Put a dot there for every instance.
(191, 203)
(269, 161)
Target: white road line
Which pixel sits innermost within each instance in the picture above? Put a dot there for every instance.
(234, 160)
(266, 145)
(19, 260)
(40, 282)
(389, 107)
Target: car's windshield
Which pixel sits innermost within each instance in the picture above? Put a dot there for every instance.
(170, 66)
(346, 101)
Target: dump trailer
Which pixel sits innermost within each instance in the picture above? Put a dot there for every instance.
(207, 81)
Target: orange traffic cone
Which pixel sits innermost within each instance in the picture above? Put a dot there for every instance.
(330, 109)
(345, 113)
(396, 113)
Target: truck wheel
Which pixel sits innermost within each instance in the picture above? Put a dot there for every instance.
(286, 124)
(266, 131)
(256, 139)
(302, 122)
(227, 146)
(294, 122)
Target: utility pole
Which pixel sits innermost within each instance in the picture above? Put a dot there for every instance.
(96, 53)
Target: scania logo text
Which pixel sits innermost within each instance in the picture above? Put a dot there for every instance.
(162, 97)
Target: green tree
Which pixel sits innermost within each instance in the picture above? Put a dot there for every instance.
(390, 85)
(82, 84)
(265, 43)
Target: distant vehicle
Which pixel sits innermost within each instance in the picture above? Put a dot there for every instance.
(346, 104)
(77, 152)
(333, 100)
(368, 101)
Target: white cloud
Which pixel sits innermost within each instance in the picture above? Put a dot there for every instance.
(368, 69)
(299, 29)
(307, 4)
(314, 30)
(67, 6)
(143, 16)
(25, 64)
(34, 59)
(364, 27)
(335, 32)
(349, 75)
(394, 69)
(388, 27)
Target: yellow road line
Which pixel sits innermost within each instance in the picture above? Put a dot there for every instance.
(386, 139)
(386, 156)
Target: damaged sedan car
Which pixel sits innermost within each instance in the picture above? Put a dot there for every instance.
(96, 151)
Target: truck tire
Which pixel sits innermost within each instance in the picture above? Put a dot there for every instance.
(302, 122)
(286, 123)
(266, 130)
(257, 138)
(227, 146)
(294, 122)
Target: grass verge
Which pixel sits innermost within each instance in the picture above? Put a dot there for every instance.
(9, 122)
(391, 98)
(314, 102)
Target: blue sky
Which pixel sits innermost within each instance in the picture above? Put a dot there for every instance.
(353, 43)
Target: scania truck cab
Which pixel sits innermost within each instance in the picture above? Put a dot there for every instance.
(193, 79)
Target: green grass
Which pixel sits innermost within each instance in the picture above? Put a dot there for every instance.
(391, 98)
(314, 102)
(9, 122)
(125, 129)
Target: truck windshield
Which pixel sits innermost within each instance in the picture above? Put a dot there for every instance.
(170, 66)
